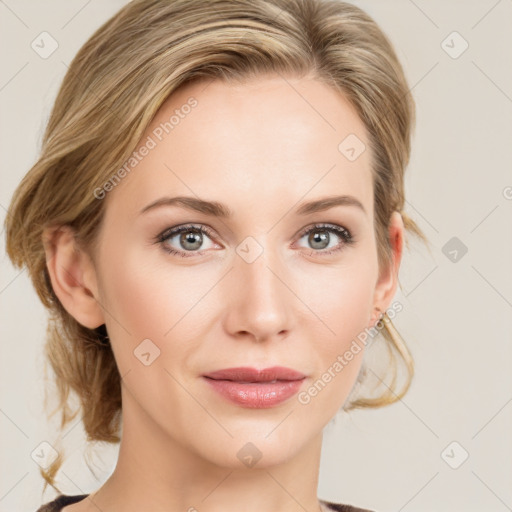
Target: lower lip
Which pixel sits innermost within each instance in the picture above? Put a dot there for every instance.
(256, 395)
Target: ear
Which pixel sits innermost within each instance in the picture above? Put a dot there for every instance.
(388, 277)
(73, 276)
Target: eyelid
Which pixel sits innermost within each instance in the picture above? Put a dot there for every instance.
(170, 232)
(326, 225)
(340, 231)
(345, 234)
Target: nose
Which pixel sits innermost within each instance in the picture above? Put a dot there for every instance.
(260, 302)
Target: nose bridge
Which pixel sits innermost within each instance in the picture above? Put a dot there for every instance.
(260, 302)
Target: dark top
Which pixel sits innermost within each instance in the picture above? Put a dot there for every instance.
(63, 499)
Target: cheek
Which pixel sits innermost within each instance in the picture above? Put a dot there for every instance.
(341, 300)
(149, 298)
(132, 298)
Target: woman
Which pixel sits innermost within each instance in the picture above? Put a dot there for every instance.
(215, 224)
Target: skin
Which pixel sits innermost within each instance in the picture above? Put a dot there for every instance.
(261, 148)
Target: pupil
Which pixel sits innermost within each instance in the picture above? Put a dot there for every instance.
(319, 237)
(192, 238)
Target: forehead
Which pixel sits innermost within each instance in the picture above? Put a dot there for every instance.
(270, 139)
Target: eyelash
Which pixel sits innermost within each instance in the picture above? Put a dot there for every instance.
(340, 231)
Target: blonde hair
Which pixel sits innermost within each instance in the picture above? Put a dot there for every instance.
(112, 90)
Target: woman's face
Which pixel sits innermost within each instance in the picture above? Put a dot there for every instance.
(260, 288)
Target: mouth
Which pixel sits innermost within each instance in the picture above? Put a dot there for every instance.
(256, 389)
(248, 375)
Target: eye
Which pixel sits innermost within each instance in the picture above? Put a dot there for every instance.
(189, 241)
(320, 236)
(190, 238)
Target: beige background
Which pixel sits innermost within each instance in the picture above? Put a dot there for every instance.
(457, 315)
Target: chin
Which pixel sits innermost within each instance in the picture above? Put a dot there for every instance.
(252, 447)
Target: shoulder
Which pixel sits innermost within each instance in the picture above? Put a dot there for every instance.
(61, 501)
(338, 507)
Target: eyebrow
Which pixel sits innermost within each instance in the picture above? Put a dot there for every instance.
(216, 209)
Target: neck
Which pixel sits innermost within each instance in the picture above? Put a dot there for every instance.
(155, 472)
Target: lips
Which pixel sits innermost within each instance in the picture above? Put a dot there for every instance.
(248, 375)
(257, 389)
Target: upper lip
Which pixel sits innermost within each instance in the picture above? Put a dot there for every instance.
(247, 374)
